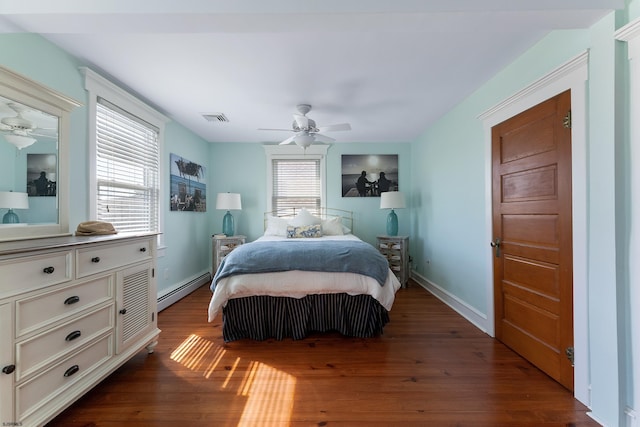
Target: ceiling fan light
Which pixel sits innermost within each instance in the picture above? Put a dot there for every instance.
(19, 141)
(304, 140)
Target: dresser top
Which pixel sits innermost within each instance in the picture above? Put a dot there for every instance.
(28, 245)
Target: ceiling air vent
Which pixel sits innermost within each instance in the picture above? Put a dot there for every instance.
(215, 117)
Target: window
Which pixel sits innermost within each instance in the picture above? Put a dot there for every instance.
(126, 170)
(296, 184)
(125, 157)
(296, 178)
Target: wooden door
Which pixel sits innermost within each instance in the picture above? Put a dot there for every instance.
(533, 271)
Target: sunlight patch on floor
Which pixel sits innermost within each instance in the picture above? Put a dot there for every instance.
(269, 392)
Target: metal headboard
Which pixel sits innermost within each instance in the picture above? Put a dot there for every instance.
(323, 213)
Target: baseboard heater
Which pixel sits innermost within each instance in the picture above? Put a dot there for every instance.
(182, 291)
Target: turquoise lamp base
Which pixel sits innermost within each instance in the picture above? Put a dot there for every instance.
(392, 224)
(10, 218)
(227, 224)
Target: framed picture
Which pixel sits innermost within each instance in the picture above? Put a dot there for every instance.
(188, 185)
(368, 175)
(42, 174)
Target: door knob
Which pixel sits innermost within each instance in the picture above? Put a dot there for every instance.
(496, 244)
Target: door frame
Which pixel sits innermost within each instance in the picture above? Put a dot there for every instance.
(571, 75)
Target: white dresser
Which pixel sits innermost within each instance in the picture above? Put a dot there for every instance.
(72, 310)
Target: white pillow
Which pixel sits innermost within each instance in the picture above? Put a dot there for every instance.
(276, 226)
(332, 227)
(304, 217)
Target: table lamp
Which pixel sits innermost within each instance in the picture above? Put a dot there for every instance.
(392, 200)
(13, 200)
(228, 202)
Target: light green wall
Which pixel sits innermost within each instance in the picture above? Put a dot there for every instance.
(448, 172)
(186, 235)
(242, 168)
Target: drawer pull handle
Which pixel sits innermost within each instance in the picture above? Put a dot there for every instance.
(95, 259)
(143, 249)
(48, 270)
(72, 300)
(72, 370)
(8, 369)
(123, 311)
(73, 335)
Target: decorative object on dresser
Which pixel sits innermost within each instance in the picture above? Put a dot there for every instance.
(228, 202)
(396, 250)
(392, 200)
(13, 200)
(222, 246)
(72, 310)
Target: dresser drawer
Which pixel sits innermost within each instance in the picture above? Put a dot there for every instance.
(38, 391)
(34, 272)
(102, 258)
(42, 349)
(39, 310)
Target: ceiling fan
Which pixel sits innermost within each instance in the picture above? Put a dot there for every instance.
(20, 131)
(305, 130)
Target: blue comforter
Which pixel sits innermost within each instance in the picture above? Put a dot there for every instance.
(328, 255)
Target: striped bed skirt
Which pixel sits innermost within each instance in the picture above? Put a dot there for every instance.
(264, 317)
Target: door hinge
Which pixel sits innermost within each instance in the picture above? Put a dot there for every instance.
(570, 354)
(153, 272)
(566, 121)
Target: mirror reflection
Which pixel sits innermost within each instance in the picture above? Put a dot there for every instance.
(28, 164)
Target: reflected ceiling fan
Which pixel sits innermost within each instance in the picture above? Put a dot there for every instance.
(305, 130)
(20, 131)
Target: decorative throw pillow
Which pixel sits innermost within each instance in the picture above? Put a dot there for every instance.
(332, 227)
(304, 231)
(304, 217)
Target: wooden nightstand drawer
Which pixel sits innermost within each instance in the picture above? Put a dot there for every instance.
(35, 272)
(42, 349)
(102, 258)
(37, 392)
(40, 310)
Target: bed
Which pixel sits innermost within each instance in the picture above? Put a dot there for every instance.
(308, 273)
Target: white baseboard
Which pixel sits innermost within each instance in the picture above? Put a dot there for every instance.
(478, 319)
(181, 290)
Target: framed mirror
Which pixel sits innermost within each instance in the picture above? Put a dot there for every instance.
(34, 140)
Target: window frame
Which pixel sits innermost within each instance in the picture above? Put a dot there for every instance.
(293, 152)
(99, 87)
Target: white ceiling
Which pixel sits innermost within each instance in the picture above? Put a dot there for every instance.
(389, 68)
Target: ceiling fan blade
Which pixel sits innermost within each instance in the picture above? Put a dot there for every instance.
(323, 138)
(333, 128)
(43, 135)
(301, 121)
(281, 130)
(288, 140)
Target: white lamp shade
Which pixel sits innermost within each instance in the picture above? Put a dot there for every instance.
(304, 140)
(392, 200)
(228, 201)
(19, 141)
(14, 200)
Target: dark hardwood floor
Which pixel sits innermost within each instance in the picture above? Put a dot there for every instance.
(429, 368)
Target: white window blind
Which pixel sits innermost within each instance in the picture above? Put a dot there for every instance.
(127, 153)
(296, 184)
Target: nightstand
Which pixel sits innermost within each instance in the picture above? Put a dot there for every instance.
(396, 250)
(222, 246)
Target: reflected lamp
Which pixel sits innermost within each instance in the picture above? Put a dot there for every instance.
(13, 200)
(392, 200)
(228, 202)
